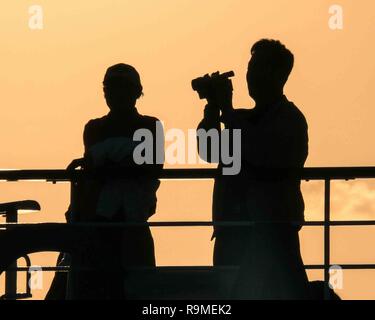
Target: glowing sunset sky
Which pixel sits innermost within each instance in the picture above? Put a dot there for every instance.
(50, 86)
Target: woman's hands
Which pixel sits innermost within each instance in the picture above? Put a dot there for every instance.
(76, 163)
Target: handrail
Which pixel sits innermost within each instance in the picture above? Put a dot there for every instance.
(337, 223)
(364, 266)
(309, 173)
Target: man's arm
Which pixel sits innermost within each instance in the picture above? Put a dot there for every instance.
(209, 124)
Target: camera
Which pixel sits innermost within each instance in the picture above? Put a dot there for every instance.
(208, 84)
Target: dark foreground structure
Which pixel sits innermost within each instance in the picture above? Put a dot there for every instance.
(19, 240)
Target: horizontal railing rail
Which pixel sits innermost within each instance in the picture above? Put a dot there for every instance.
(311, 173)
(364, 266)
(120, 225)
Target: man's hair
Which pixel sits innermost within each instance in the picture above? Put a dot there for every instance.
(276, 54)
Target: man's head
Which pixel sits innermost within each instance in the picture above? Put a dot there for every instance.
(122, 86)
(269, 68)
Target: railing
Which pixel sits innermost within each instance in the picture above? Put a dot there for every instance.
(326, 174)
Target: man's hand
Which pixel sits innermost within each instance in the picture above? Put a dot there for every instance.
(222, 93)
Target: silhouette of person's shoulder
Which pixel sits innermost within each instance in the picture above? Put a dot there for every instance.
(96, 123)
(294, 114)
(247, 114)
(244, 112)
(148, 122)
(101, 128)
(139, 119)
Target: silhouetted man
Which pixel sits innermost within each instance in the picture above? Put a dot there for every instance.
(274, 135)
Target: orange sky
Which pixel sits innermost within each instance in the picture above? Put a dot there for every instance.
(50, 86)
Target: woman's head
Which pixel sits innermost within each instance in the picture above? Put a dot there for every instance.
(122, 86)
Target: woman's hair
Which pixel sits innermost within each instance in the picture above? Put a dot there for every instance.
(120, 77)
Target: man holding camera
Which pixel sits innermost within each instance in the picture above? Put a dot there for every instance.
(273, 136)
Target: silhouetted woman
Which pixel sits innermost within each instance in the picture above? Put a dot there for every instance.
(109, 144)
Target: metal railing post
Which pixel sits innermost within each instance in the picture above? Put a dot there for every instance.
(327, 247)
(11, 275)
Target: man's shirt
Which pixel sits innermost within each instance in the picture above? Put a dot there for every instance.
(271, 138)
